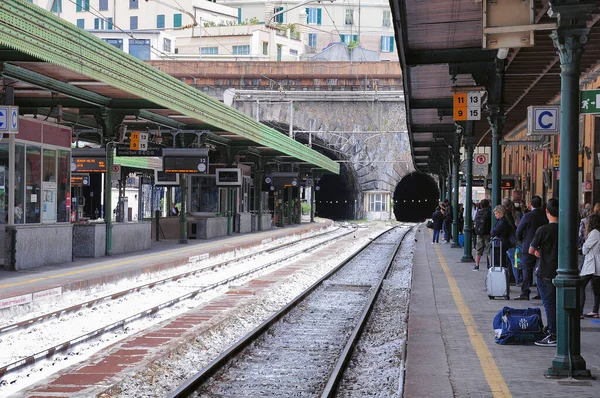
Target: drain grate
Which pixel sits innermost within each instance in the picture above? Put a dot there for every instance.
(575, 383)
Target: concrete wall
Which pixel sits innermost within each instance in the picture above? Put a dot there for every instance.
(212, 227)
(89, 240)
(39, 245)
(244, 223)
(130, 237)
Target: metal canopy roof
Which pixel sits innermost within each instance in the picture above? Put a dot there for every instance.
(53, 62)
(434, 37)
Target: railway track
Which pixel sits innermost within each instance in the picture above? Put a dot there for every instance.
(29, 327)
(303, 349)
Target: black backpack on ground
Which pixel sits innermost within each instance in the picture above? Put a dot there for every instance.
(483, 222)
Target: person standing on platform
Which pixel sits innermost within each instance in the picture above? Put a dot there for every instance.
(530, 222)
(174, 210)
(545, 247)
(482, 226)
(502, 231)
(448, 218)
(438, 218)
(590, 270)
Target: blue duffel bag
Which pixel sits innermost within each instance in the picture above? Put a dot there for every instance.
(518, 326)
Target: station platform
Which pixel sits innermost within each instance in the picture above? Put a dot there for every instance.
(86, 273)
(451, 350)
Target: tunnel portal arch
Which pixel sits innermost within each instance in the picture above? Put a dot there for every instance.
(416, 197)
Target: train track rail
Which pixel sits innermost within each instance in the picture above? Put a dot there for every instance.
(109, 326)
(304, 348)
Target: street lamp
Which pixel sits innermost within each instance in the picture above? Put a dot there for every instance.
(268, 23)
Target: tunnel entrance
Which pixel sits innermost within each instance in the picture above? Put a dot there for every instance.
(416, 197)
(333, 199)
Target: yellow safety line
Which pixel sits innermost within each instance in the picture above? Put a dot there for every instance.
(488, 364)
(82, 271)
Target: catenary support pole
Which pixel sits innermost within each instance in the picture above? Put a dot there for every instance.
(569, 39)
(496, 122)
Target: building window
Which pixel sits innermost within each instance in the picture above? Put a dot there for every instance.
(177, 20)
(167, 45)
(115, 43)
(133, 23)
(57, 6)
(349, 16)
(239, 15)
(133, 4)
(241, 50)
(312, 40)
(209, 50)
(98, 24)
(314, 16)
(160, 21)
(82, 5)
(377, 202)
(387, 44)
(349, 38)
(109, 23)
(103, 6)
(140, 49)
(204, 195)
(293, 52)
(387, 18)
(278, 18)
(81, 23)
(33, 184)
(265, 48)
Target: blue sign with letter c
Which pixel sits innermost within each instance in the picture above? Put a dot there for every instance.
(541, 119)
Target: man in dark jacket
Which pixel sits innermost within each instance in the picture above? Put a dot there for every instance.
(448, 218)
(438, 218)
(529, 224)
(482, 226)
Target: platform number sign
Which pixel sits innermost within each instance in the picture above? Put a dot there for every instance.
(138, 141)
(467, 106)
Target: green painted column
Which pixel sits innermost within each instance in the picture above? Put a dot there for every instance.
(468, 246)
(569, 40)
(442, 187)
(312, 198)
(108, 197)
(258, 203)
(229, 211)
(496, 122)
(455, 187)
(182, 216)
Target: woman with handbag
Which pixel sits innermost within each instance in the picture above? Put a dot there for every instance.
(590, 270)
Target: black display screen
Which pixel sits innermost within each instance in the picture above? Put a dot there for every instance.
(181, 164)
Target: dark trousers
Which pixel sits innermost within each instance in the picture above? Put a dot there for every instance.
(448, 231)
(528, 264)
(547, 292)
(595, 289)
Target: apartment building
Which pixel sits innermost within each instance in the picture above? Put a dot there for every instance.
(366, 22)
(231, 29)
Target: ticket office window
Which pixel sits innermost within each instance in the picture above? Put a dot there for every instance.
(204, 195)
(42, 182)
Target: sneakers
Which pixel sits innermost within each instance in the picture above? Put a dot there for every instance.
(476, 268)
(548, 341)
(522, 298)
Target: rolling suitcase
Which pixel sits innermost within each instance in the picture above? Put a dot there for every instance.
(497, 278)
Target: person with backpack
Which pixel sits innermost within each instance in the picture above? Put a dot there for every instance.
(483, 225)
(530, 222)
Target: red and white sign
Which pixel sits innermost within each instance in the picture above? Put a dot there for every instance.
(68, 202)
(57, 291)
(587, 186)
(481, 159)
(17, 300)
